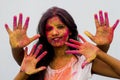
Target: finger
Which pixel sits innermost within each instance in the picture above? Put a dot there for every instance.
(115, 25)
(20, 21)
(106, 19)
(7, 29)
(26, 51)
(84, 64)
(38, 50)
(81, 38)
(41, 56)
(96, 20)
(14, 22)
(88, 60)
(71, 45)
(72, 51)
(26, 23)
(101, 17)
(23, 43)
(74, 41)
(34, 37)
(33, 49)
(40, 69)
(89, 35)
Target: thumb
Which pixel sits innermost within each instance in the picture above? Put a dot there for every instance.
(40, 69)
(115, 25)
(34, 37)
(84, 64)
(88, 60)
(7, 29)
(89, 35)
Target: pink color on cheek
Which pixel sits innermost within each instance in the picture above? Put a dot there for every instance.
(66, 35)
(48, 35)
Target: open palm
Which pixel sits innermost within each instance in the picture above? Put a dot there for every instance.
(30, 60)
(85, 48)
(18, 37)
(104, 33)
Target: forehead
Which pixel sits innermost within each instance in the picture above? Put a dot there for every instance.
(54, 19)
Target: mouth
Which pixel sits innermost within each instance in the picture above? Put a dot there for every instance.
(56, 39)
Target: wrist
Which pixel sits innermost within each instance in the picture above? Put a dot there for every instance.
(99, 53)
(21, 76)
(104, 47)
(24, 73)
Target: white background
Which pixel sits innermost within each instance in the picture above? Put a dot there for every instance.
(81, 10)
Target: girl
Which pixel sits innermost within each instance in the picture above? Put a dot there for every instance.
(64, 60)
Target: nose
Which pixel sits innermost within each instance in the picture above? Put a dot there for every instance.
(55, 32)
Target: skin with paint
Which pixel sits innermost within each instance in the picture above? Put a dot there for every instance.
(57, 34)
(103, 29)
(18, 37)
(29, 62)
(94, 52)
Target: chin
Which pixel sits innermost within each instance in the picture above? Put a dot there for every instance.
(57, 45)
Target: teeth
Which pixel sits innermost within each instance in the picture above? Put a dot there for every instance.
(55, 39)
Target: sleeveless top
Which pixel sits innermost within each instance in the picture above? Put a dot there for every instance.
(72, 71)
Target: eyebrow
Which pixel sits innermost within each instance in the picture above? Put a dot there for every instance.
(60, 24)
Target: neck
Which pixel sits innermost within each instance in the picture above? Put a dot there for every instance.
(60, 58)
(60, 51)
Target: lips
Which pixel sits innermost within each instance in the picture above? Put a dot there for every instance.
(56, 39)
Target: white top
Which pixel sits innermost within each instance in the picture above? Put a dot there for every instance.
(72, 71)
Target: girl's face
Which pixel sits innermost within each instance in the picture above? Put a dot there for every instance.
(57, 32)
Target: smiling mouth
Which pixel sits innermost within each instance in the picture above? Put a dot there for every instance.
(56, 39)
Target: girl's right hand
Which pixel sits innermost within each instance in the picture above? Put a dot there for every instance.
(30, 60)
(18, 37)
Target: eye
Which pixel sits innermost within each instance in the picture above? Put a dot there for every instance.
(48, 28)
(60, 26)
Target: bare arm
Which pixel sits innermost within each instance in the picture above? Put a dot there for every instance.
(21, 76)
(103, 38)
(106, 65)
(18, 55)
(103, 64)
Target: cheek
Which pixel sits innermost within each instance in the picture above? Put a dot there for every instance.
(66, 35)
(48, 35)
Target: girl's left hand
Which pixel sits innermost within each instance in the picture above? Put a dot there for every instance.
(104, 32)
(85, 48)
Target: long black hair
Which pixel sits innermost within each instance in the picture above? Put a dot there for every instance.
(67, 19)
